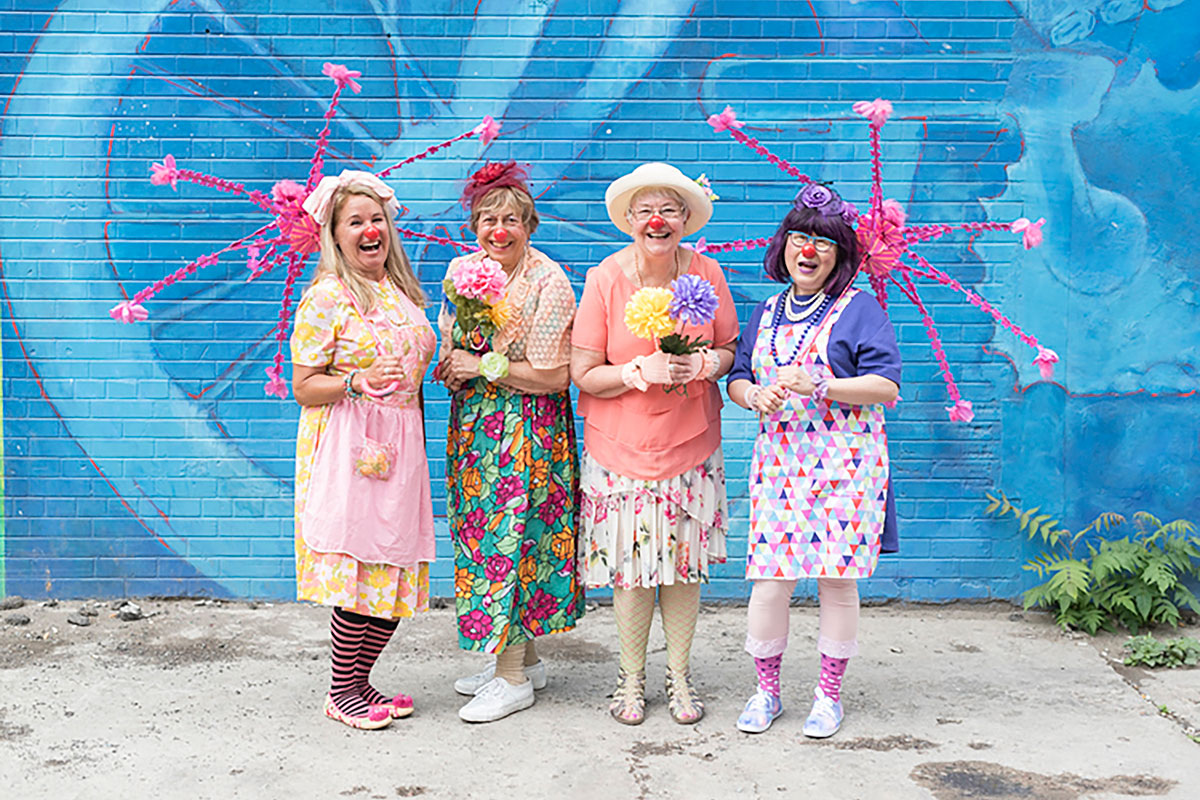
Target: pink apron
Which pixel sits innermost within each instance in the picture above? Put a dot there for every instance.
(369, 494)
(819, 475)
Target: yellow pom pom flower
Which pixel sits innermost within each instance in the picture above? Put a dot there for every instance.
(646, 313)
(500, 313)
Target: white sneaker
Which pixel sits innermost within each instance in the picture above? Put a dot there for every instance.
(536, 673)
(496, 699)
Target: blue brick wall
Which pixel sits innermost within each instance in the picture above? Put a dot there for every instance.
(146, 460)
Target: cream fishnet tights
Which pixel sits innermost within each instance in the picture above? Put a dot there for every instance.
(634, 612)
(510, 664)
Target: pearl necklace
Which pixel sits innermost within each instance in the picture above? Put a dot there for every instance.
(777, 318)
(637, 268)
(806, 308)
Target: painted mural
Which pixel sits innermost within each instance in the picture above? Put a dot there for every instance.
(146, 459)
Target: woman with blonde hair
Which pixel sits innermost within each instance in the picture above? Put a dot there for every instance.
(364, 517)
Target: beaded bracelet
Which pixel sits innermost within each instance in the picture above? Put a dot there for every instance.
(348, 379)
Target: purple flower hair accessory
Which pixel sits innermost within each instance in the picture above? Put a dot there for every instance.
(826, 201)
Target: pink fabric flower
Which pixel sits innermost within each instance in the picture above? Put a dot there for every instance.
(342, 77)
(881, 238)
(287, 193)
(276, 386)
(128, 312)
(1045, 361)
(701, 245)
(877, 110)
(164, 172)
(725, 120)
(488, 130)
(1031, 232)
(961, 411)
(480, 280)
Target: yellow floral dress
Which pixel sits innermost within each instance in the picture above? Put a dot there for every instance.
(330, 333)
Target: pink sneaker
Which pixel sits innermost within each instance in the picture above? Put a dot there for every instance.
(378, 716)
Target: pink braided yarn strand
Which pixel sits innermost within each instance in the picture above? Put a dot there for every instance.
(927, 270)
(318, 159)
(408, 233)
(426, 153)
(275, 384)
(876, 170)
(754, 145)
(961, 410)
(925, 233)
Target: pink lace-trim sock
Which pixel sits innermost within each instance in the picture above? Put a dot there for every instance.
(830, 680)
(768, 673)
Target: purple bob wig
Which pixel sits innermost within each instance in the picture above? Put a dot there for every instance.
(818, 210)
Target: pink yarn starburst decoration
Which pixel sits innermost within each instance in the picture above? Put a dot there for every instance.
(292, 235)
(885, 242)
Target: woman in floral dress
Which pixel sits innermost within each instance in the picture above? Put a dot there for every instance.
(653, 515)
(512, 473)
(364, 518)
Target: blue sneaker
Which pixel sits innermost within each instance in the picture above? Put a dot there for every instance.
(825, 718)
(761, 710)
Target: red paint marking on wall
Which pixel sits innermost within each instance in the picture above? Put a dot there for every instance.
(12, 317)
(108, 163)
(916, 30)
(29, 53)
(148, 499)
(1019, 389)
(820, 34)
(996, 134)
(111, 264)
(704, 77)
(230, 367)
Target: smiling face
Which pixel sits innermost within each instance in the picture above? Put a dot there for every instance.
(656, 221)
(808, 266)
(360, 231)
(502, 234)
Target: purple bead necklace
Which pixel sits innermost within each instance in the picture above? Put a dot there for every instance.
(777, 319)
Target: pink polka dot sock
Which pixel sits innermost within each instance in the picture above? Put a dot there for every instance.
(830, 681)
(768, 673)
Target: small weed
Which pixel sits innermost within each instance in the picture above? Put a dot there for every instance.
(1150, 652)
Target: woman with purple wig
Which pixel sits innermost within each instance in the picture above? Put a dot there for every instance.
(817, 362)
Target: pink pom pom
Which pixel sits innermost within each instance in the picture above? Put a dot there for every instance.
(128, 312)
(488, 130)
(725, 120)
(275, 386)
(961, 411)
(877, 110)
(1031, 232)
(342, 77)
(1045, 360)
(164, 172)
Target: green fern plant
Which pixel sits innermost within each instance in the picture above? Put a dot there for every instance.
(1136, 582)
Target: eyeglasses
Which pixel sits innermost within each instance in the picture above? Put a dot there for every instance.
(645, 212)
(819, 243)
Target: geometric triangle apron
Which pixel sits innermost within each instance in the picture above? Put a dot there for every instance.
(819, 474)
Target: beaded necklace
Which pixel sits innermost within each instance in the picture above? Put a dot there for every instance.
(777, 318)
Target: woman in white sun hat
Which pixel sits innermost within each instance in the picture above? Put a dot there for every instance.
(653, 478)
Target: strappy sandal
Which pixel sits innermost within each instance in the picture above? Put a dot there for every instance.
(628, 705)
(684, 704)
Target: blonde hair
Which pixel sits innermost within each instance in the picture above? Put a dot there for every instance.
(503, 197)
(397, 266)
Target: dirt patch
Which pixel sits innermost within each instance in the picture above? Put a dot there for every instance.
(963, 647)
(957, 780)
(642, 749)
(898, 741)
(410, 791)
(20, 650)
(174, 653)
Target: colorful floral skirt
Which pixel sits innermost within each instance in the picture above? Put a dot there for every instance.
(336, 579)
(512, 487)
(648, 533)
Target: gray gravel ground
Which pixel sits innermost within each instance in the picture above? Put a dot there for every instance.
(204, 699)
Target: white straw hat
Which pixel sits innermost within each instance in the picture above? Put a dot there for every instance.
(656, 173)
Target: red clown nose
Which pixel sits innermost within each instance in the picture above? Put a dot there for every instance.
(808, 251)
(500, 236)
(657, 223)
(371, 233)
